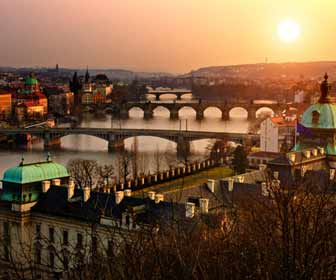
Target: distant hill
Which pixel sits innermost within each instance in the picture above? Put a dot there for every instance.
(271, 70)
(113, 74)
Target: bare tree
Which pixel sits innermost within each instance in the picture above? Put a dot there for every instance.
(84, 172)
(124, 160)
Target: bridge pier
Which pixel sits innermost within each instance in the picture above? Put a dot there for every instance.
(52, 143)
(199, 114)
(124, 114)
(251, 114)
(183, 147)
(174, 114)
(116, 145)
(148, 114)
(225, 115)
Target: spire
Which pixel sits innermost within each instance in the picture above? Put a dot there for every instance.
(22, 161)
(325, 88)
(87, 75)
(49, 157)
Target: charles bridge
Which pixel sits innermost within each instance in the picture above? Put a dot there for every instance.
(115, 137)
(198, 106)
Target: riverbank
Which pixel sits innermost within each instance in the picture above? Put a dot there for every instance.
(188, 181)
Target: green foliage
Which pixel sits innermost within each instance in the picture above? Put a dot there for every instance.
(239, 161)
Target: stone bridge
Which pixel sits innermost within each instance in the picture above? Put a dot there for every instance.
(115, 137)
(200, 107)
(178, 93)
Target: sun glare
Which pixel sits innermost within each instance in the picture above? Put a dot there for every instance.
(288, 31)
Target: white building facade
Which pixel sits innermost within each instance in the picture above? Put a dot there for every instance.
(277, 132)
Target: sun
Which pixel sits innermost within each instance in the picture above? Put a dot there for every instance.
(289, 31)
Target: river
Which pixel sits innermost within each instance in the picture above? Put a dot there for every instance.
(89, 147)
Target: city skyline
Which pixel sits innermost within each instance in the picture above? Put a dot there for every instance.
(174, 37)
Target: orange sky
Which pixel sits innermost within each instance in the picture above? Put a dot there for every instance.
(161, 35)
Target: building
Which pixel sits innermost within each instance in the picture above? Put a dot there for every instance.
(5, 106)
(257, 158)
(277, 134)
(49, 223)
(315, 149)
(32, 102)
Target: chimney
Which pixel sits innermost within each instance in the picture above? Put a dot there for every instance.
(56, 182)
(86, 194)
(240, 179)
(264, 189)
(276, 175)
(211, 185)
(230, 184)
(119, 195)
(45, 186)
(276, 183)
(262, 167)
(190, 209)
(332, 174)
(71, 189)
(128, 192)
(291, 157)
(306, 154)
(204, 205)
(321, 150)
(158, 197)
(151, 195)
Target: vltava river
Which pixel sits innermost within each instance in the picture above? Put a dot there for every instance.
(89, 147)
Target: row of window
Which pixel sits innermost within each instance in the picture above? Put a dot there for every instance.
(65, 236)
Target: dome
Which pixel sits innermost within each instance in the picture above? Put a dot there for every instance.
(320, 115)
(30, 81)
(101, 76)
(35, 172)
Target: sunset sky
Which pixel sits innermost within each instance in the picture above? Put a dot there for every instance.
(162, 35)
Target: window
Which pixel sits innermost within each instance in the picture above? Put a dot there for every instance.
(65, 237)
(52, 259)
(30, 196)
(37, 254)
(6, 230)
(110, 248)
(315, 117)
(79, 240)
(94, 245)
(51, 234)
(38, 231)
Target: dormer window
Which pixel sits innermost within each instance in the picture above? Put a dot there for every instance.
(315, 117)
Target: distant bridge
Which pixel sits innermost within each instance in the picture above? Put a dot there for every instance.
(115, 137)
(199, 107)
(177, 92)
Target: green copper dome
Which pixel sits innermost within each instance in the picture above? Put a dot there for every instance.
(35, 172)
(320, 115)
(30, 81)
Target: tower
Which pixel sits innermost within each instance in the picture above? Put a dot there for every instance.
(76, 87)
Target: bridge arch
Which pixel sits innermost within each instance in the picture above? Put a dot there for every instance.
(238, 112)
(187, 112)
(213, 112)
(77, 140)
(146, 143)
(264, 111)
(136, 111)
(161, 111)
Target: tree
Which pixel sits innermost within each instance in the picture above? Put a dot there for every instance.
(239, 160)
(84, 172)
(124, 160)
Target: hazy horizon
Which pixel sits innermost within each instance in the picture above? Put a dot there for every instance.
(174, 36)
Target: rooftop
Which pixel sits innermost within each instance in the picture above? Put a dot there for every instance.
(26, 173)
